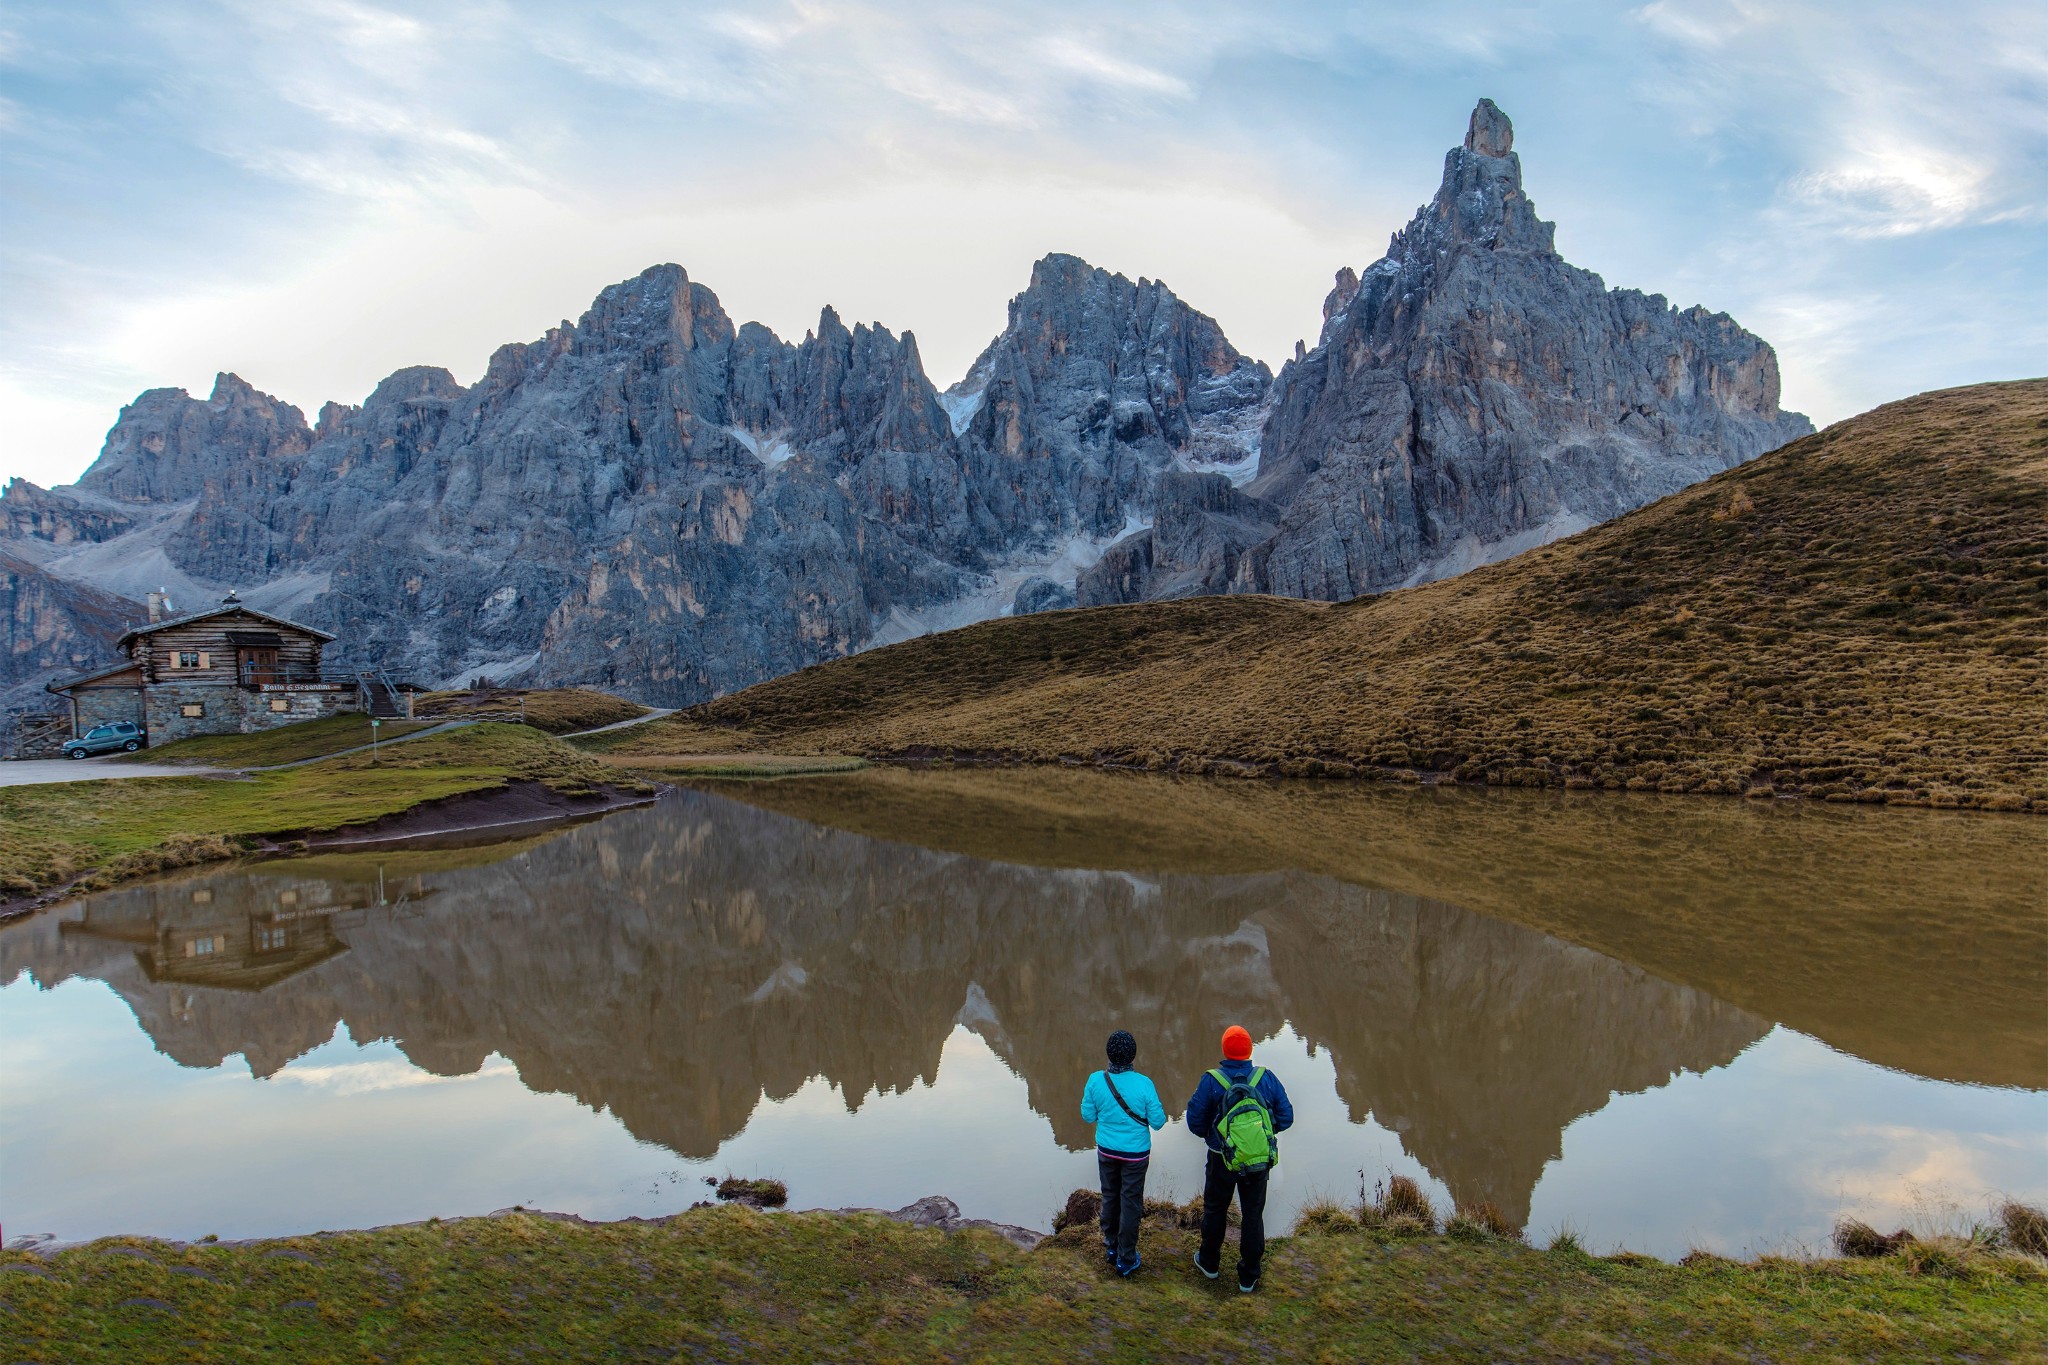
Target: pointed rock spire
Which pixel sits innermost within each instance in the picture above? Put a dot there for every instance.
(1490, 133)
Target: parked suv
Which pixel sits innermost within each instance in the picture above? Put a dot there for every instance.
(104, 739)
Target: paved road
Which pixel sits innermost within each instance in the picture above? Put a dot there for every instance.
(36, 771)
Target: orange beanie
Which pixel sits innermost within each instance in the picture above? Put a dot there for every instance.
(1237, 1044)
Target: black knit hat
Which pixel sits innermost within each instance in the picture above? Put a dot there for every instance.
(1122, 1049)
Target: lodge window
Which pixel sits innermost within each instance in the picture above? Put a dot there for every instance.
(203, 896)
(268, 940)
(202, 947)
(280, 704)
(287, 898)
(191, 658)
(192, 709)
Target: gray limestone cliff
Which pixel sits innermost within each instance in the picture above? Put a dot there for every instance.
(1472, 395)
(655, 500)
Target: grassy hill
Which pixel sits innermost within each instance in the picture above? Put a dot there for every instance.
(1859, 616)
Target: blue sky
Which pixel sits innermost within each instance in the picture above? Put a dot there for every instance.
(313, 193)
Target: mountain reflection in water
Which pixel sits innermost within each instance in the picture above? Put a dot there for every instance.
(675, 965)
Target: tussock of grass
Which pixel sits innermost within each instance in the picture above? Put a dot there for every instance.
(760, 1194)
(131, 827)
(2013, 1245)
(1853, 1237)
(1480, 1222)
(735, 1284)
(1401, 1201)
(2025, 1227)
(286, 744)
(553, 711)
(1325, 1216)
(1857, 617)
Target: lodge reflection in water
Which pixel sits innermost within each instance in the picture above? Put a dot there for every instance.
(243, 934)
(676, 964)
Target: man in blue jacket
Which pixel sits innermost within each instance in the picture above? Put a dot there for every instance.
(1205, 1113)
(1124, 1107)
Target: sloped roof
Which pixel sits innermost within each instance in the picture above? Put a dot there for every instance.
(222, 610)
(109, 671)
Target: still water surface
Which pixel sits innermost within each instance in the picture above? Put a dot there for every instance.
(1662, 1023)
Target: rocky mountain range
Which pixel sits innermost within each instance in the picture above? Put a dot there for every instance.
(655, 500)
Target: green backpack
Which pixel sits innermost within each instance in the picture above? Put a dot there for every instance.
(1245, 1125)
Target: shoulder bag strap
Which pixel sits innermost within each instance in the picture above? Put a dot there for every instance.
(1118, 1097)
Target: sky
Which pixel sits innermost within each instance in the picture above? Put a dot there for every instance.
(314, 193)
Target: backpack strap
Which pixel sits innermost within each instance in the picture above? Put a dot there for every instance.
(1117, 1095)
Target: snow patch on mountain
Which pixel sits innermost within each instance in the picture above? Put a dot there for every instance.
(1063, 563)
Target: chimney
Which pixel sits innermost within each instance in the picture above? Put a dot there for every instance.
(156, 606)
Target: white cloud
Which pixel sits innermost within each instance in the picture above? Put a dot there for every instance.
(1088, 60)
(1894, 190)
(382, 1074)
(315, 193)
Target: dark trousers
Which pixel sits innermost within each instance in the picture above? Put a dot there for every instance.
(1219, 1183)
(1123, 1205)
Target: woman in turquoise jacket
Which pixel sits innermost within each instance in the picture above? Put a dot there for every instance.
(1124, 1107)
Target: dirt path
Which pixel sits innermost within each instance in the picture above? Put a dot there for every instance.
(655, 714)
(440, 729)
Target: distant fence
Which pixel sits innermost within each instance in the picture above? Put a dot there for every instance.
(35, 734)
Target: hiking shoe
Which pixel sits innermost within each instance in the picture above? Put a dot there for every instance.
(1212, 1274)
(1109, 1250)
(1244, 1288)
(1129, 1270)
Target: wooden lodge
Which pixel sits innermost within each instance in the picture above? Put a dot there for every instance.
(230, 670)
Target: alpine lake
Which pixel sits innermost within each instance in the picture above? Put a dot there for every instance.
(1659, 1022)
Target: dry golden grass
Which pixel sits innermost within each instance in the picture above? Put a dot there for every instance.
(1859, 616)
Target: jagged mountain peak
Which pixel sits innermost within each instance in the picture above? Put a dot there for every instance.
(414, 382)
(1491, 132)
(660, 305)
(656, 500)
(1472, 367)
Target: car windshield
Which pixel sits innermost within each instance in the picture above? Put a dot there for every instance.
(99, 732)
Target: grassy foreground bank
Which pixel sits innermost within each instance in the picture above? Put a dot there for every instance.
(733, 1284)
(109, 831)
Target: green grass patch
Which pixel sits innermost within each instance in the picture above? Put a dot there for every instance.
(286, 744)
(126, 828)
(734, 1284)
